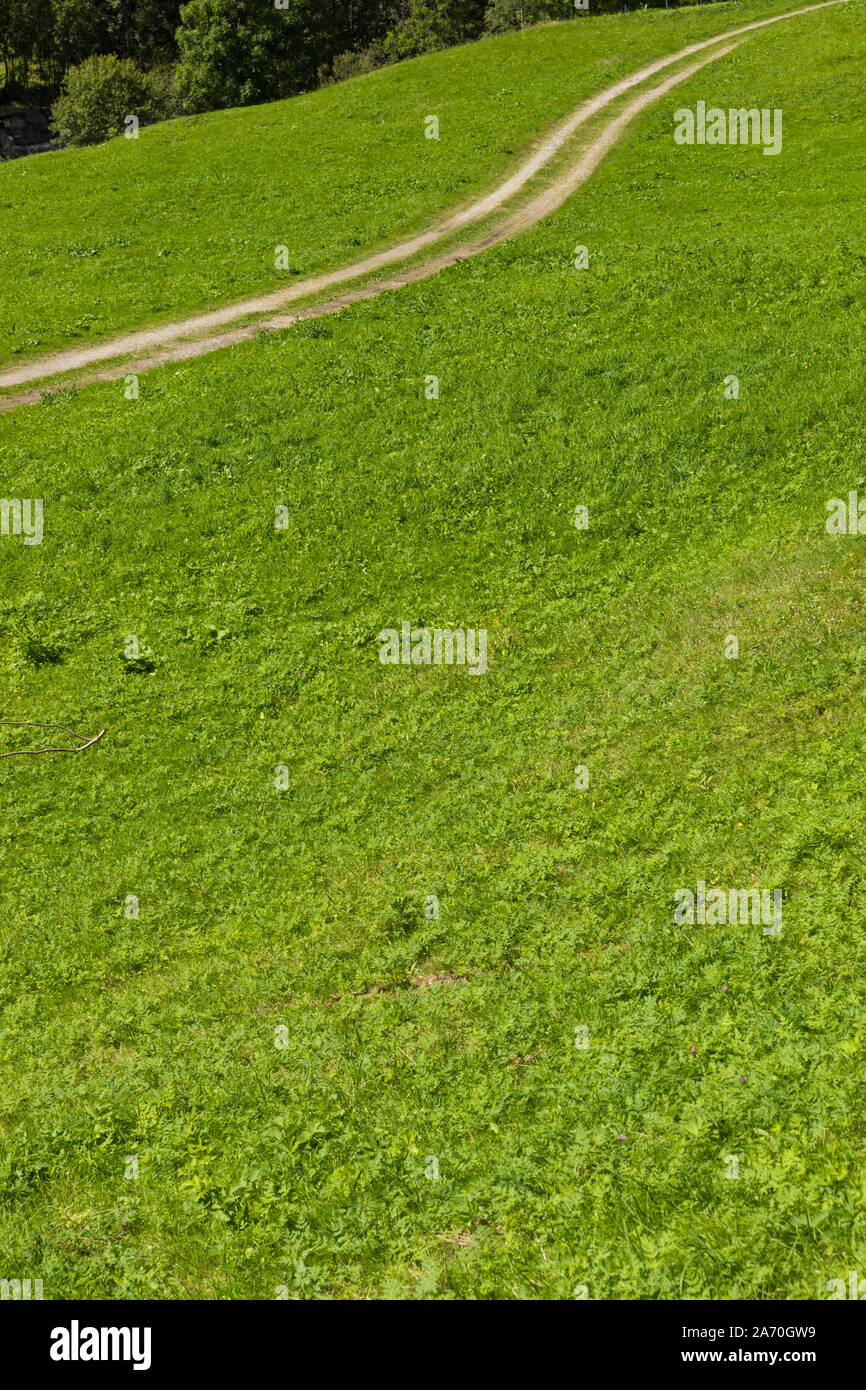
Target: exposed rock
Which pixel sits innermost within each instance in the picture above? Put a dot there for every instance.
(24, 130)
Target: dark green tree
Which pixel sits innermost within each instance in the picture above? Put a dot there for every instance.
(234, 52)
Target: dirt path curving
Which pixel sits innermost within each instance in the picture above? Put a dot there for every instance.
(160, 345)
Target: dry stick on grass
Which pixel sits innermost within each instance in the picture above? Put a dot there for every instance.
(31, 724)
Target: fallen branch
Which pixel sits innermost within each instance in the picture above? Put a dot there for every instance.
(32, 724)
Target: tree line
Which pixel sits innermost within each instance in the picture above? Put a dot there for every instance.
(234, 52)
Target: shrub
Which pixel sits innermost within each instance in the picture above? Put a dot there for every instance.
(97, 96)
(428, 25)
(353, 64)
(504, 15)
(421, 31)
(165, 92)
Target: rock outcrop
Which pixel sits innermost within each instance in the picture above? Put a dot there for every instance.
(24, 130)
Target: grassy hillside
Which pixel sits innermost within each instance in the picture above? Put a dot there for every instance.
(297, 1158)
(188, 216)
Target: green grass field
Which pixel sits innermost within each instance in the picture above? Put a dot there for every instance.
(281, 1038)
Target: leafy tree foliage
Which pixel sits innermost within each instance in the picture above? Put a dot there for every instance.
(96, 98)
(233, 52)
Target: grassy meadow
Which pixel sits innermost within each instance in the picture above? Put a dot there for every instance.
(281, 1039)
(188, 216)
